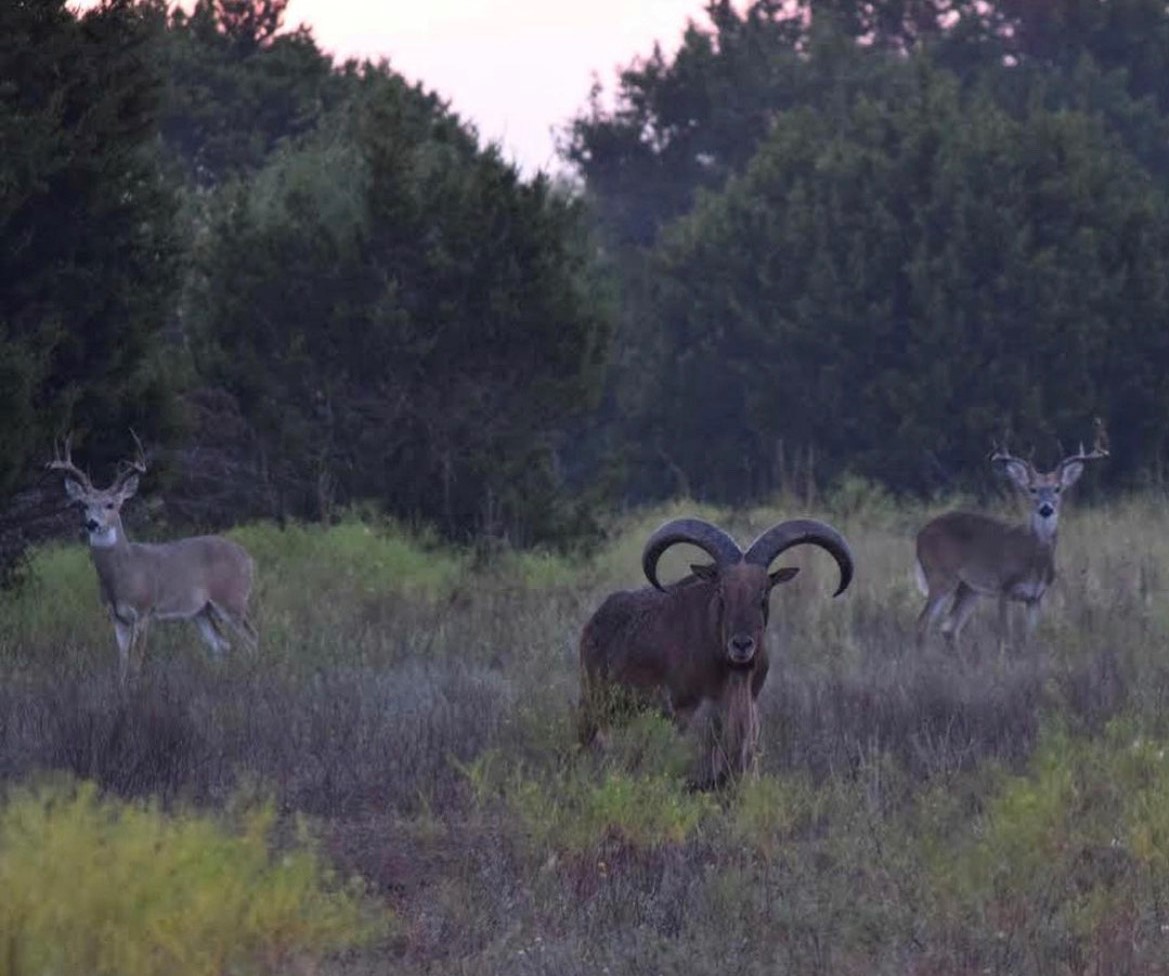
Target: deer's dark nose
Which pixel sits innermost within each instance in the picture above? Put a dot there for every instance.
(91, 525)
(742, 648)
(1045, 510)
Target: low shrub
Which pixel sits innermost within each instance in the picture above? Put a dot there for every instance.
(100, 887)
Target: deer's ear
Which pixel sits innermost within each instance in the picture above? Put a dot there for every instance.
(1070, 473)
(705, 571)
(129, 488)
(783, 574)
(75, 491)
(1019, 472)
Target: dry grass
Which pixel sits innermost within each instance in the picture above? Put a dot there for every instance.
(419, 707)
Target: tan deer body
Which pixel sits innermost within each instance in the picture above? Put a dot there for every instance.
(207, 579)
(962, 556)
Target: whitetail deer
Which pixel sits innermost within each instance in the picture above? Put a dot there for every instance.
(963, 555)
(206, 578)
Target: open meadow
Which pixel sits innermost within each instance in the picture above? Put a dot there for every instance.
(392, 783)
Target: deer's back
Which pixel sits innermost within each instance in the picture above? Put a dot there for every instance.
(185, 574)
(984, 552)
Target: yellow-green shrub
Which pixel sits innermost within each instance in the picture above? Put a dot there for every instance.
(99, 887)
(767, 811)
(1081, 839)
(575, 812)
(60, 600)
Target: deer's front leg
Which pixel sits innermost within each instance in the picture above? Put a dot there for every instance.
(1033, 608)
(124, 633)
(1004, 623)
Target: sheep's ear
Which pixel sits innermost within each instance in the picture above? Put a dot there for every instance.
(783, 574)
(705, 571)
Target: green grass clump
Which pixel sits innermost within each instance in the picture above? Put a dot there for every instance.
(1074, 852)
(102, 887)
(637, 795)
(574, 812)
(57, 603)
(353, 557)
(769, 810)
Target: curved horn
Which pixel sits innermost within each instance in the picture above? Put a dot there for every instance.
(710, 538)
(795, 532)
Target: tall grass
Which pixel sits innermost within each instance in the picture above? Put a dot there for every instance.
(927, 812)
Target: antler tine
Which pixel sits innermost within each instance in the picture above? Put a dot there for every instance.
(136, 465)
(66, 464)
(1099, 445)
(139, 462)
(1000, 454)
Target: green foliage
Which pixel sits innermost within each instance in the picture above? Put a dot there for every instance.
(877, 235)
(1078, 844)
(573, 813)
(862, 262)
(102, 887)
(238, 85)
(354, 556)
(769, 811)
(58, 601)
(636, 797)
(87, 241)
(400, 355)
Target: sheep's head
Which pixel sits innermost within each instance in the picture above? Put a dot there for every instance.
(742, 581)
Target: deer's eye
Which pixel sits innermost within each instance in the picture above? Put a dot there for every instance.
(110, 505)
(1058, 489)
(1034, 491)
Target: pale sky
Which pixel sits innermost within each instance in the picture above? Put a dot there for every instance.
(516, 69)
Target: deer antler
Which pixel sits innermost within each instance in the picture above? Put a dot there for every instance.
(127, 468)
(66, 464)
(1099, 445)
(1002, 455)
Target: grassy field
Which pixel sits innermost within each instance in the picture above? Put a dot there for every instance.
(405, 738)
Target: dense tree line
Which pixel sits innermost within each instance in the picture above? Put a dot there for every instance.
(305, 284)
(883, 234)
(872, 234)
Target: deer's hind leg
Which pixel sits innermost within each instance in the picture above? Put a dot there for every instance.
(964, 601)
(935, 607)
(210, 632)
(237, 621)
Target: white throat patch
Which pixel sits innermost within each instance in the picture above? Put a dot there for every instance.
(1045, 528)
(105, 538)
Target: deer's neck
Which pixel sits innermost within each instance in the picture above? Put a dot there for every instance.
(109, 543)
(1045, 532)
(1040, 563)
(109, 552)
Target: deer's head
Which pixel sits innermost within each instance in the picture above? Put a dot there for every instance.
(101, 508)
(1044, 489)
